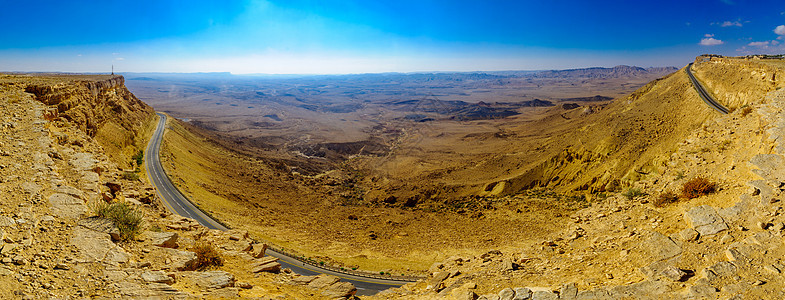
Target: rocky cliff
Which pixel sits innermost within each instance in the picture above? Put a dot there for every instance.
(739, 82)
(101, 107)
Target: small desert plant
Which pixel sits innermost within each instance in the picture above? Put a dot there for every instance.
(127, 219)
(138, 158)
(697, 187)
(665, 199)
(133, 176)
(632, 193)
(725, 144)
(679, 175)
(746, 111)
(206, 257)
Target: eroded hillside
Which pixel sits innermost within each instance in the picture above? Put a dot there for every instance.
(100, 106)
(654, 242)
(522, 176)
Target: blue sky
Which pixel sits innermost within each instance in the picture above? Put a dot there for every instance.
(327, 37)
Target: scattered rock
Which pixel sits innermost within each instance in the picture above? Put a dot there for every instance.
(522, 293)
(303, 280)
(258, 250)
(224, 293)
(94, 246)
(688, 234)
(544, 295)
(213, 279)
(340, 289)
(175, 259)
(133, 290)
(101, 225)
(772, 269)
(266, 264)
(506, 294)
(662, 269)
(661, 247)
(568, 291)
(66, 206)
(162, 239)
(156, 276)
(705, 220)
(323, 281)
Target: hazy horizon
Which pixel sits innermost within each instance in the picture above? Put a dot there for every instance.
(355, 37)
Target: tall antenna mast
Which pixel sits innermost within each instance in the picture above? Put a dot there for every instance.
(112, 69)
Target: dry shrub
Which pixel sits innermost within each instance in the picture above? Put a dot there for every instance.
(697, 187)
(746, 111)
(127, 218)
(665, 199)
(206, 257)
(633, 193)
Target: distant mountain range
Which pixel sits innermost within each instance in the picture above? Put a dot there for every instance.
(597, 72)
(594, 72)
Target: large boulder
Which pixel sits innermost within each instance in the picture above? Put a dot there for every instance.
(323, 281)
(173, 259)
(162, 239)
(67, 206)
(705, 220)
(340, 290)
(94, 246)
(101, 225)
(157, 277)
(266, 264)
(211, 280)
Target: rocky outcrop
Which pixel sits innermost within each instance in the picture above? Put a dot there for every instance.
(737, 83)
(103, 108)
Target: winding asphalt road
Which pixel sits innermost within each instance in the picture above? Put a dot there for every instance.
(177, 203)
(703, 94)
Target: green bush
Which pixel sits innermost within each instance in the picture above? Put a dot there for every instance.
(127, 219)
(665, 199)
(133, 176)
(632, 193)
(139, 158)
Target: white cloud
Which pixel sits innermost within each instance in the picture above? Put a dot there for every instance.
(120, 58)
(759, 44)
(710, 41)
(729, 24)
(780, 30)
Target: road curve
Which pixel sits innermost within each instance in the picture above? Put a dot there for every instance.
(177, 203)
(703, 94)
